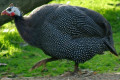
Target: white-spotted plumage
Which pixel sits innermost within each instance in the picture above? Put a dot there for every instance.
(66, 32)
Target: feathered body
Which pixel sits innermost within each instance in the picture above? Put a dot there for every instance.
(66, 32)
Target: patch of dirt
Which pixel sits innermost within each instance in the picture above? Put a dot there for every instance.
(112, 76)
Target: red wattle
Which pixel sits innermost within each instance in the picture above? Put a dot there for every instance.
(12, 14)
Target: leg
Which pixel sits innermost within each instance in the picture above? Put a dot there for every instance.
(76, 68)
(42, 62)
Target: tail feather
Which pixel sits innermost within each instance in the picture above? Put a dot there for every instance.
(111, 48)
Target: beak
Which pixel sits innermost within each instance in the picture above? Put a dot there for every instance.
(3, 12)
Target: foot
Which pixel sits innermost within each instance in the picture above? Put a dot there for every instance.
(87, 73)
(40, 63)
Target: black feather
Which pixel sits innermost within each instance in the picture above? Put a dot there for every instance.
(67, 32)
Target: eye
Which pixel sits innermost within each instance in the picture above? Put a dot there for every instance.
(9, 9)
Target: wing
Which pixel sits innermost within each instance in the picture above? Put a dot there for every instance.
(98, 19)
(74, 22)
(87, 26)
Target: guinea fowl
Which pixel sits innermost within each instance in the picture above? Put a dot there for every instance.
(64, 32)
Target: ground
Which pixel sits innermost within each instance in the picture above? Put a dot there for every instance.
(110, 76)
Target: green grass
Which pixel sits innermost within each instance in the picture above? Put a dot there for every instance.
(20, 59)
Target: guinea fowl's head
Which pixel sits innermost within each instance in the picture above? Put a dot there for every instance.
(11, 11)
